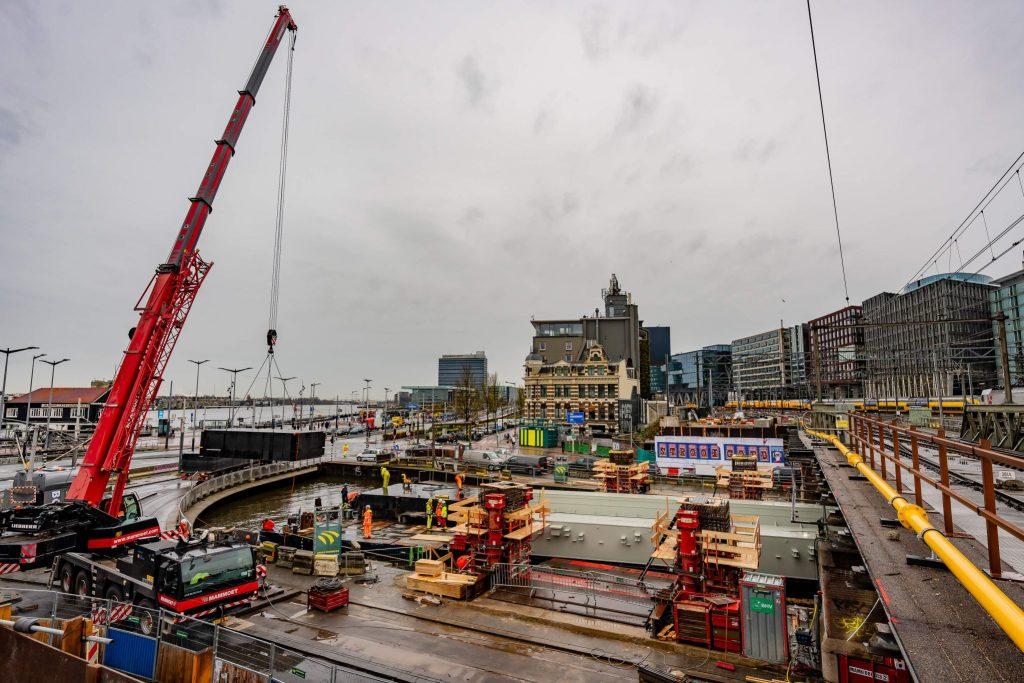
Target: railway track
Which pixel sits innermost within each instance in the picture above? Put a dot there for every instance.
(1005, 498)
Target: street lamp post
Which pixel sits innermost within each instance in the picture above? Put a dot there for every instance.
(49, 409)
(384, 415)
(195, 403)
(312, 399)
(284, 392)
(366, 415)
(28, 408)
(234, 381)
(3, 387)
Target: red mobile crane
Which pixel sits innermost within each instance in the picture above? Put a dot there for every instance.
(91, 519)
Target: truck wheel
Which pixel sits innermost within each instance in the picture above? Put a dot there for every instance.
(114, 594)
(83, 584)
(147, 619)
(67, 578)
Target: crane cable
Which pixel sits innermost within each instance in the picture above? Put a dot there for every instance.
(275, 280)
(828, 156)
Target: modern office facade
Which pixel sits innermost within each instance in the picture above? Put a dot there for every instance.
(1008, 300)
(913, 353)
(659, 350)
(837, 354)
(763, 365)
(456, 369)
(702, 377)
(426, 396)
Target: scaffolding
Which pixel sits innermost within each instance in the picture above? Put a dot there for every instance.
(496, 527)
(621, 473)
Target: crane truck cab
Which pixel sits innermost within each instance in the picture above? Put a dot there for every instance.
(192, 577)
(32, 535)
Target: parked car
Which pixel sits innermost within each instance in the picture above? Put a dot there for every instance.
(489, 459)
(528, 464)
(373, 455)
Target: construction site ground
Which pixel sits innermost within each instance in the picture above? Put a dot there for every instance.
(942, 629)
(483, 639)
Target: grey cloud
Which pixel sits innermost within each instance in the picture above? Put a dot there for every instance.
(640, 30)
(555, 208)
(12, 129)
(759, 151)
(479, 86)
(640, 102)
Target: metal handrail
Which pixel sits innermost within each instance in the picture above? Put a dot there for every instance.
(864, 431)
(203, 489)
(1001, 608)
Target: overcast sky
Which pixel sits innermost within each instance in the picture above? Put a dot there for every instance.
(458, 167)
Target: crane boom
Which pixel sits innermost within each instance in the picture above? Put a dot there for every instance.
(171, 292)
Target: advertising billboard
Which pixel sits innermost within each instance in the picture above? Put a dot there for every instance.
(702, 454)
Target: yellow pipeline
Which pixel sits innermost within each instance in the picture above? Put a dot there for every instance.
(1002, 609)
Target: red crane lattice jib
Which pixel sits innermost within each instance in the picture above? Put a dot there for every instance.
(171, 294)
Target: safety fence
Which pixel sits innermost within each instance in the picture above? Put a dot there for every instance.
(159, 645)
(207, 488)
(592, 584)
(887, 447)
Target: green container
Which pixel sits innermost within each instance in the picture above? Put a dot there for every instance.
(538, 437)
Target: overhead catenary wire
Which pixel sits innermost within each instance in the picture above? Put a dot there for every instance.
(828, 155)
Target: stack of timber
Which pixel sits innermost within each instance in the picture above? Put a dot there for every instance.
(432, 576)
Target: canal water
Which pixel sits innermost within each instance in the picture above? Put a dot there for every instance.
(249, 511)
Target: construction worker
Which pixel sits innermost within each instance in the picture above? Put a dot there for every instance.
(406, 482)
(344, 496)
(367, 522)
(268, 524)
(430, 512)
(386, 478)
(441, 512)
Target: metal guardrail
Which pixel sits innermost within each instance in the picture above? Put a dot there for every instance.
(207, 488)
(263, 659)
(875, 438)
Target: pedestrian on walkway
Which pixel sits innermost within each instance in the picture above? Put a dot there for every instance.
(367, 522)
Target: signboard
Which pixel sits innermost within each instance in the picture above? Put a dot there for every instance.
(326, 534)
(160, 414)
(702, 454)
(625, 416)
(574, 418)
(762, 604)
(413, 406)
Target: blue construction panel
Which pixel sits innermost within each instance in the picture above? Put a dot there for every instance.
(131, 652)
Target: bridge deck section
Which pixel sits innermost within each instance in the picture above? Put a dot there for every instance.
(943, 631)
